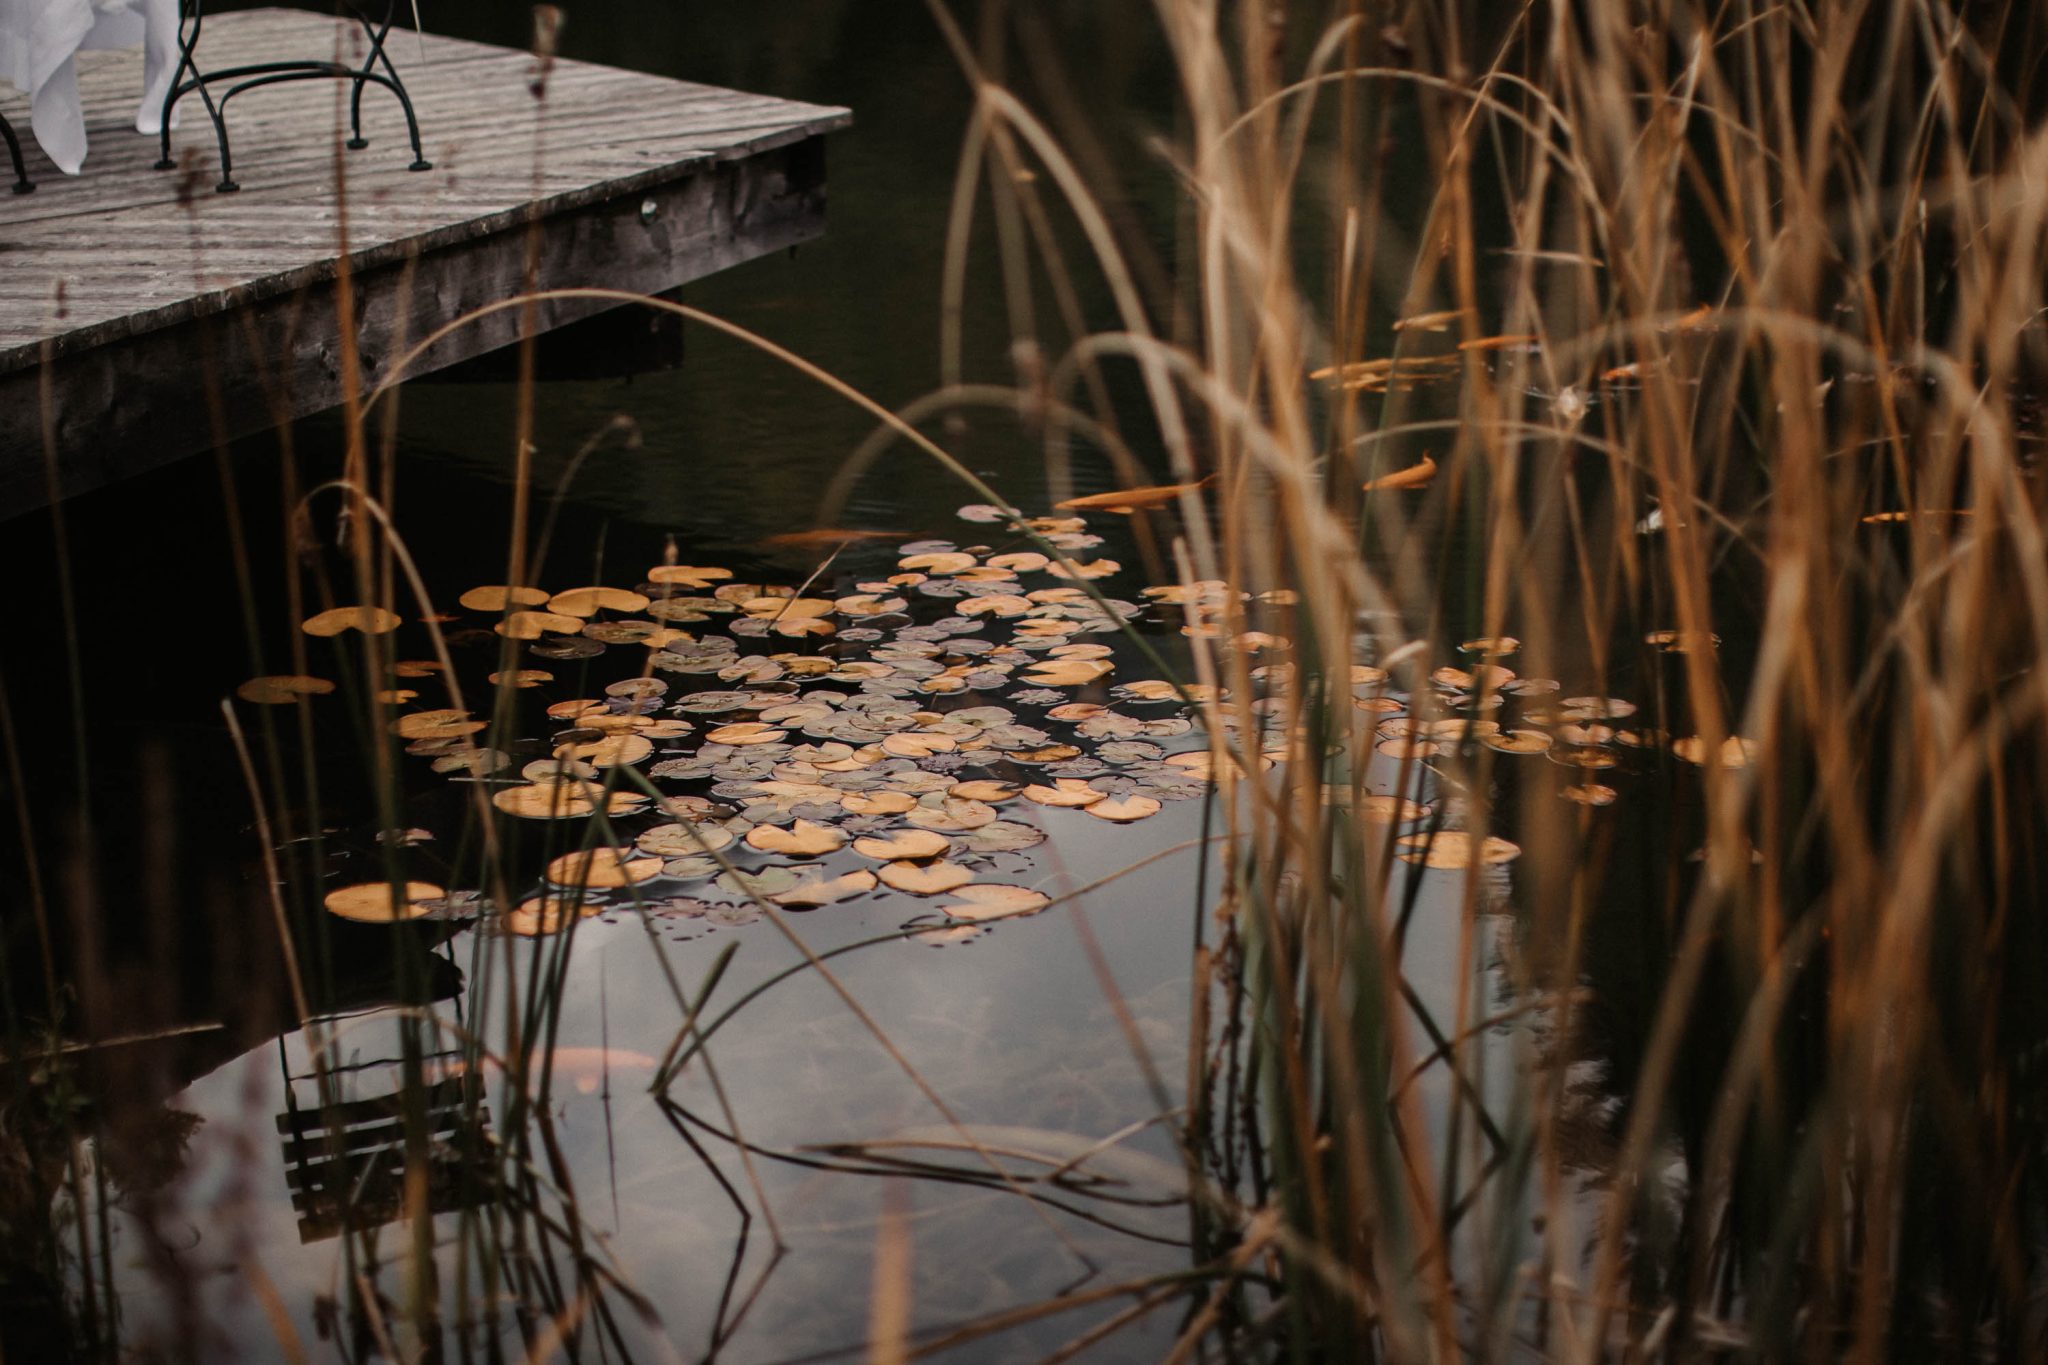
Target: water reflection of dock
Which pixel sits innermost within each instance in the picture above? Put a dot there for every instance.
(155, 315)
(347, 1165)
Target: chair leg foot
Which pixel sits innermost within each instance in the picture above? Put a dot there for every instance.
(24, 187)
(356, 144)
(421, 164)
(226, 187)
(165, 164)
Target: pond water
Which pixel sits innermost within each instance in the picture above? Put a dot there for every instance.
(237, 1193)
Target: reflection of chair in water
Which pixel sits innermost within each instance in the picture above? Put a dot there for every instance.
(346, 1162)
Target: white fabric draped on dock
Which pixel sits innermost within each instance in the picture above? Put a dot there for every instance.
(38, 39)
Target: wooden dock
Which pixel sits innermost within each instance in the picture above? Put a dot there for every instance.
(143, 316)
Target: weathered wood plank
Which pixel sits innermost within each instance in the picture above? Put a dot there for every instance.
(126, 293)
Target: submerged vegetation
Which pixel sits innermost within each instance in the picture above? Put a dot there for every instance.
(1564, 592)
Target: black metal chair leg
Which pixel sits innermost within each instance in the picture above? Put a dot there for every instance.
(191, 17)
(22, 184)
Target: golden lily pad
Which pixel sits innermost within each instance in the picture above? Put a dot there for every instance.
(590, 601)
(745, 732)
(994, 793)
(1735, 752)
(1123, 810)
(382, 902)
(1591, 794)
(614, 751)
(446, 724)
(683, 841)
(600, 869)
(903, 845)
(1518, 741)
(938, 562)
(543, 915)
(282, 689)
(801, 840)
(1456, 848)
(497, 597)
(878, 803)
(952, 816)
(335, 620)
(523, 678)
(531, 625)
(817, 891)
(1066, 791)
(994, 900)
(925, 879)
(1095, 568)
(416, 668)
(911, 744)
(1066, 672)
(562, 801)
(686, 575)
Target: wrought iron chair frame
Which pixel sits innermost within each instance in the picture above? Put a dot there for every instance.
(191, 18)
(22, 184)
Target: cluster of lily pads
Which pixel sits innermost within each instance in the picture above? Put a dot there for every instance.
(777, 746)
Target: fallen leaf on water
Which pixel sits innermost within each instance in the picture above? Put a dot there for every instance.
(821, 891)
(994, 901)
(283, 689)
(1506, 342)
(416, 668)
(382, 902)
(1430, 322)
(1591, 794)
(1132, 499)
(368, 620)
(801, 840)
(1417, 475)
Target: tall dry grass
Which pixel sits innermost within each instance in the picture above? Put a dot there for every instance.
(1781, 270)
